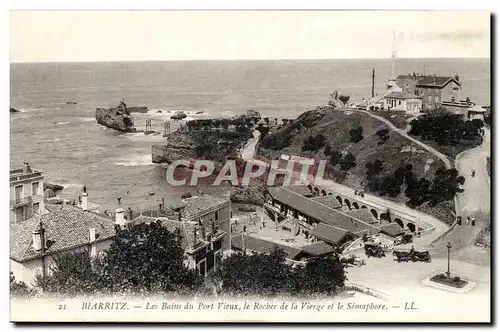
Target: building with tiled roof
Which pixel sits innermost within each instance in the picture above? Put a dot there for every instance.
(319, 218)
(66, 228)
(203, 222)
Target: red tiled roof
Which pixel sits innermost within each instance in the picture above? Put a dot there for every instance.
(66, 227)
(392, 229)
(318, 248)
(319, 211)
(329, 233)
(311, 208)
(435, 81)
(328, 200)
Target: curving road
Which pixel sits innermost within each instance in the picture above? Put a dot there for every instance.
(403, 133)
(476, 197)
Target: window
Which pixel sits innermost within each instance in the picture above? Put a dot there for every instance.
(399, 103)
(18, 192)
(216, 215)
(36, 208)
(429, 98)
(34, 188)
(455, 88)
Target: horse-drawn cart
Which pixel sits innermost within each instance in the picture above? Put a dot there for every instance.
(414, 256)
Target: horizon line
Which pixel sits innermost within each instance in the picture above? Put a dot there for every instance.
(245, 59)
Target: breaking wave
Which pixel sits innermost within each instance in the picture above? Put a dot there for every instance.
(136, 160)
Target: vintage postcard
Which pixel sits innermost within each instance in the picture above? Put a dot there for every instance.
(250, 166)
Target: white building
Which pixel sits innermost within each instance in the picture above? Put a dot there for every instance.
(26, 193)
(65, 228)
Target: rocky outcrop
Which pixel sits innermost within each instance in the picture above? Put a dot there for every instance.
(199, 144)
(249, 195)
(54, 187)
(117, 118)
(13, 110)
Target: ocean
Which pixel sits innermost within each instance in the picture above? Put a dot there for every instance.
(65, 142)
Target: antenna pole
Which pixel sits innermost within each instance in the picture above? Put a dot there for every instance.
(394, 54)
(373, 83)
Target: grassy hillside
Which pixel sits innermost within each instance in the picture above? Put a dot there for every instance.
(335, 125)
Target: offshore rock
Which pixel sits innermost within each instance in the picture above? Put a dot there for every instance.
(13, 110)
(117, 118)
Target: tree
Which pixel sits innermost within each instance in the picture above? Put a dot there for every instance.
(321, 276)
(18, 288)
(383, 135)
(374, 168)
(356, 134)
(263, 130)
(257, 274)
(446, 185)
(344, 99)
(328, 149)
(417, 191)
(269, 275)
(335, 157)
(347, 162)
(314, 143)
(147, 258)
(72, 273)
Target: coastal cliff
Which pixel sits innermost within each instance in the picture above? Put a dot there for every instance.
(117, 118)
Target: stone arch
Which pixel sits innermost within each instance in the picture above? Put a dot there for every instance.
(385, 216)
(399, 222)
(356, 205)
(330, 194)
(316, 189)
(346, 201)
(339, 199)
(375, 213)
(364, 207)
(310, 187)
(323, 192)
(411, 227)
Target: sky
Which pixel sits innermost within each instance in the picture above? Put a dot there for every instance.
(79, 36)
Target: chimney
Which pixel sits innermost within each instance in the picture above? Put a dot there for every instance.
(38, 237)
(195, 240)
(26, 168)
(203, 233)
(212, 225)
(457, 77)
(93, 248)
(91, 234)
(119, 214)
(84, 199)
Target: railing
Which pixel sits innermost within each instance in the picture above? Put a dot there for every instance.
(25, 200)
(25, 176)
(21, 200)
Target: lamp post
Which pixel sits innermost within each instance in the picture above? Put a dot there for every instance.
(449, 247)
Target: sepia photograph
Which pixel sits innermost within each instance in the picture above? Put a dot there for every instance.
(250, 166)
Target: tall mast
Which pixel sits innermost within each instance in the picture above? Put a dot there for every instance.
(394, 54)
(373, 83)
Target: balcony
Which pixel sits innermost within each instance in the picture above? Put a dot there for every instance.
(20, 201)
